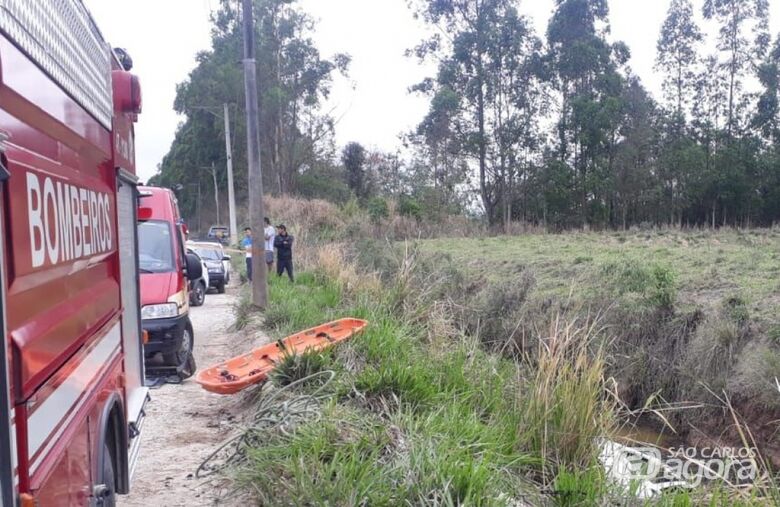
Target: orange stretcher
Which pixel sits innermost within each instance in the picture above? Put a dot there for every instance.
(252, 368)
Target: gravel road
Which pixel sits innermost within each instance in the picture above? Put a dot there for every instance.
(185, 423)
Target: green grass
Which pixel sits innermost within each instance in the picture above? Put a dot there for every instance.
(707, 266)
(419, 420)
(408, 426)
(300, 305)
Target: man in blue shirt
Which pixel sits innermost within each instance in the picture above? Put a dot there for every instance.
(246, 244)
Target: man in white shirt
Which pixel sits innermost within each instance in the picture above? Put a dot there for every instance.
(269, 233)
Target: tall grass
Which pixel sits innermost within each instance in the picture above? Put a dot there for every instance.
(406, 427)
(423, 414)
(564, 404)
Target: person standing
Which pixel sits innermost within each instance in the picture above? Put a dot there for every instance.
(246, 244)
(270, 234)
(283, 243)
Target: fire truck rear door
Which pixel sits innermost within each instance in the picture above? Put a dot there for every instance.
(137, 393)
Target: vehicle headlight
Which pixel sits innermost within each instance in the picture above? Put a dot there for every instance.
(162, 311)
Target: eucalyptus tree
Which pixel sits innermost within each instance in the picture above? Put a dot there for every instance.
(583, 69)
(743, 38)
(293, 81)
(677, 54)
(487, 86)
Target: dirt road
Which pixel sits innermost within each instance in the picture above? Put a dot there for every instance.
(185, 423)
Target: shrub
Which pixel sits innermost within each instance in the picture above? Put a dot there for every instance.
(735, 308)
(323, 184)
(774, 334)
(663, 292)
(711, 357)
(410, 207)
(377, 209)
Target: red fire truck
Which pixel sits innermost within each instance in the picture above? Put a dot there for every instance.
(71, 373)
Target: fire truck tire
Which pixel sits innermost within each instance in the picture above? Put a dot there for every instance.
(108, 479)
(182, 359)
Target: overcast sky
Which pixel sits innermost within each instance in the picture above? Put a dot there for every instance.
(373, 106)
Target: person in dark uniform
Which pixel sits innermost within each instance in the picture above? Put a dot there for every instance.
(283, 243)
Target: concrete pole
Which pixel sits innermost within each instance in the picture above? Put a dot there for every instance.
(256, 210)
(231, 195)
(216, 191)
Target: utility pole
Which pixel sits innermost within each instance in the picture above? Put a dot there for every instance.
(256, 210)
(200, 224)
(216, 190)
(213, 171)
(229, 158)
(231, 195)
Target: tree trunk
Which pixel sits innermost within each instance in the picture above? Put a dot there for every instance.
(714, 204)
(486, 198)
(625, 213)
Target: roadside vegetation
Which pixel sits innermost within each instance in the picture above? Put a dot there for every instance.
(691, 315)
(493, 366)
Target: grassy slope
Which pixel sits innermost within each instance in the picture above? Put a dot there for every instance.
(403, 427)
(708, 267)
(416, 419)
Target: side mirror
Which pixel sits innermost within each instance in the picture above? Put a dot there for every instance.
(194, 267)
(226, 257)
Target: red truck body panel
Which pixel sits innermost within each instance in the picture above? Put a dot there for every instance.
(62, 274)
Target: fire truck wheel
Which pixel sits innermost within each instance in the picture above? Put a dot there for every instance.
(182, 358)
(108, 480)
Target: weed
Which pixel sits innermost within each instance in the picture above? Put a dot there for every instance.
(564, 406)
(663, 292)
(774, 334)
(243, 310)
(736, 310)
(496, 315)
(756, 375)
(579, 487)
(293, 366)
(655, 283)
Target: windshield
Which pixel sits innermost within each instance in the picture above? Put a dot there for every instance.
(155, 247)
(208, 254)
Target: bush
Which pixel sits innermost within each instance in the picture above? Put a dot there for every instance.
(496, 317)
(377, 209)
(663, 291)
(409, 207)
(323, 184)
